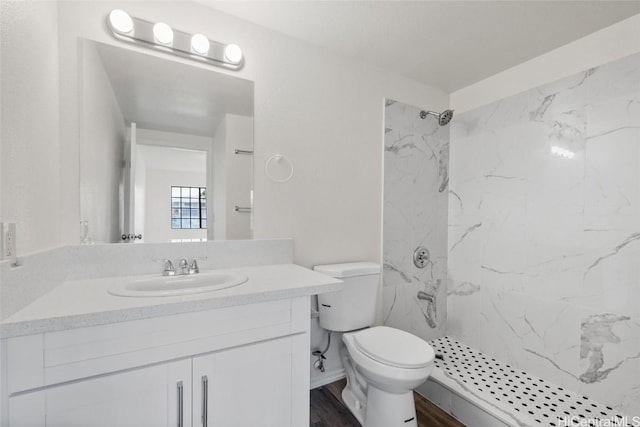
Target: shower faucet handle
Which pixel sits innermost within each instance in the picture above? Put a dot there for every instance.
(421, 257)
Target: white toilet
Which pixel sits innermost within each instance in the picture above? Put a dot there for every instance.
(383, 364)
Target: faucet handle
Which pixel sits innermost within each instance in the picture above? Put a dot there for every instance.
(183, 267)
(193, 267)
(169, 270)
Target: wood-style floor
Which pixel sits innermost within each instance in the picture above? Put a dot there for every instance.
(327, 410)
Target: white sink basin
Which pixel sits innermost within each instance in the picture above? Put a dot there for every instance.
(168, 286)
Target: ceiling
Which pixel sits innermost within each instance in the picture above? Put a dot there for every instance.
(170, 96)
(446, 44)
(173, 159)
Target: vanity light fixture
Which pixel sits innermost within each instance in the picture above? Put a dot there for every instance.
(162, 37)
(163, 33)
(233, 53)
(121, 21)
(200, 44)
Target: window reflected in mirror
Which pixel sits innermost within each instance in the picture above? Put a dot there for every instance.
(152, 125)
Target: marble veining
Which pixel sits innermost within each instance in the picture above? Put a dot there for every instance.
(543, 267)
(465, 289)
(443, 167)
(416, 186)
(467, 231)
(596, 331)
(634, 237)
(391, 267)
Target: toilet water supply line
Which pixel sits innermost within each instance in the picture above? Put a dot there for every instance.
(319, 364)
(352, 379)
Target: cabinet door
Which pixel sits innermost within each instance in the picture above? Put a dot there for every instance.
(245, 386)
(141, 397)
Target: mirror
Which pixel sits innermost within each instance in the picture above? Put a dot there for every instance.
(166, 149)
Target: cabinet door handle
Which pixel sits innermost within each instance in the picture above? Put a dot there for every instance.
(205, 400)
(180, 404)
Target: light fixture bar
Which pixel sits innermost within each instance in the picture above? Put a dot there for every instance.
(141, 32)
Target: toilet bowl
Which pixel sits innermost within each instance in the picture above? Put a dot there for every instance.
(383, 364)
(383, 367)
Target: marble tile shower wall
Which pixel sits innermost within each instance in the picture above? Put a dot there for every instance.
(544, 250)
(416, 177)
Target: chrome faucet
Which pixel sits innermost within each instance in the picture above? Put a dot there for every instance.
(183, 267)
(193, 267)
(169, 270)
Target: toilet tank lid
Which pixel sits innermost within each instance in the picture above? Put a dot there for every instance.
(349, 269)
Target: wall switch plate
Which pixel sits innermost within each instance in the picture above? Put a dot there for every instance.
(8, 243)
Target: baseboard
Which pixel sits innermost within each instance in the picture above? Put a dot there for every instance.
(327, 378)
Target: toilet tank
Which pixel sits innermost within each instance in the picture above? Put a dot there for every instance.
(354, 307)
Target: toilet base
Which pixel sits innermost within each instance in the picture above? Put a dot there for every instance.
(382, 409)
(389, 410)
(379, 395)
(356, 407)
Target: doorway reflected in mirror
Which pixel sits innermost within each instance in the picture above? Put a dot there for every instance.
(149, 123)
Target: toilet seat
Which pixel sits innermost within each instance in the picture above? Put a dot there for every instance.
(394, 347)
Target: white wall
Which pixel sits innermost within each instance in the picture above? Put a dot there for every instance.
(217, 183)
(30, 153)
(101, 150)
(611, 43)
(324, 112)
(139, 197)
(230, 178)
(239, 175)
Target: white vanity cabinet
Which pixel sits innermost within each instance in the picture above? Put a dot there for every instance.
(239, 366)
(246, 386)
(146, 397)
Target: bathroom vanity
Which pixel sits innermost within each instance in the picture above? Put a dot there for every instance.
(80, 356)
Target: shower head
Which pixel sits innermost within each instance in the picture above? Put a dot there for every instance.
(443, 118)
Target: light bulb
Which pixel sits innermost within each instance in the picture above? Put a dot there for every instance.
(200, 44)
(562, 152)
(121, 21)
(163, 33)
(233, 53)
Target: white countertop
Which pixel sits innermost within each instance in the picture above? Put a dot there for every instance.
(81, 303)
